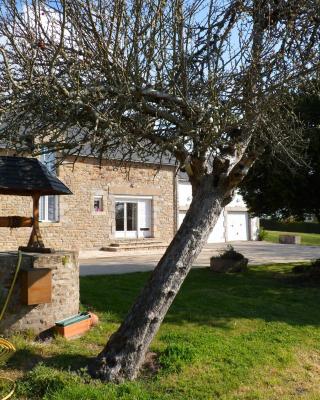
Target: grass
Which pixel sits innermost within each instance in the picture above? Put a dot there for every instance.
(231, 337)
(308, 239)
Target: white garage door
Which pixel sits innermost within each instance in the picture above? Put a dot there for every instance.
(217, 234)
(237, 226)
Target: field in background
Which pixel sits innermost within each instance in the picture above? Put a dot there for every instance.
(308, 239)
(305, 227)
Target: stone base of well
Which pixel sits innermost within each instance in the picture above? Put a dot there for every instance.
(63, 267)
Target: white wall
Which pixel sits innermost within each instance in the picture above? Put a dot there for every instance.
(184, 194)
(254, 228)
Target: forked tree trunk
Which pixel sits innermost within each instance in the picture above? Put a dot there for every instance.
(125, 352)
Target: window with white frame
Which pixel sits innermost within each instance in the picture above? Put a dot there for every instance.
(98, 203)
(49, 205)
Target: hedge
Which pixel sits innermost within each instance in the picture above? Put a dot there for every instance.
(301, 227)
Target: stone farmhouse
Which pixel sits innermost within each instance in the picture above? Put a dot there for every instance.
(112, 204)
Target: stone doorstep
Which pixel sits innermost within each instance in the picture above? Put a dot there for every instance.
(134, 248)
(136, 243)
(136, 240)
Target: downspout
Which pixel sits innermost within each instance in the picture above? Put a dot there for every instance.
(225, 224)
(175, 200)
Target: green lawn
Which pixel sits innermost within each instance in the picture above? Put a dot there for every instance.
(230, 337)
(309, 239)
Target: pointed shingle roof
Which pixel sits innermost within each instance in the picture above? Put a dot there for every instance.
(25, 176)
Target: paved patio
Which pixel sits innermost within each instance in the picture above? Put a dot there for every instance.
(102, 263)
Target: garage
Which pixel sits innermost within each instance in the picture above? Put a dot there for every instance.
(231, 227)
(217, 235)
(234, 223)
(237, 226)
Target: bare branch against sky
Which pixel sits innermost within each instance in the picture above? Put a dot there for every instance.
(184, 77)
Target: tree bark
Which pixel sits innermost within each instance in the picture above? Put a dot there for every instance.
(317, 214)
(123, 355)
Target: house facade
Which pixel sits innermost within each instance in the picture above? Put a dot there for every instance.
(112, 202)
(109, 202)
(234, 223)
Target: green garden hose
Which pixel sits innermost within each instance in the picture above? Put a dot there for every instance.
(6, 347)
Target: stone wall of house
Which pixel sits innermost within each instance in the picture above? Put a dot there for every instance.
(79, 226)
(64, 302)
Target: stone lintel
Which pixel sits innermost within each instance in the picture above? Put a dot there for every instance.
(236, 209)
(124, 190)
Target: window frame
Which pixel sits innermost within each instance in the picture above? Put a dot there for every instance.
(44, 209)
(49, 160)
(99, 197)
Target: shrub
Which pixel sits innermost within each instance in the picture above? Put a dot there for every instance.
(231, 254)
(262, 233)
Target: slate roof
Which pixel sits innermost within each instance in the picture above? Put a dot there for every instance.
(156, 159)
(25, 176)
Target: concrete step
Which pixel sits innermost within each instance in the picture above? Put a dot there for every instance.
(141, 243)
(135, 240)
(132, 248)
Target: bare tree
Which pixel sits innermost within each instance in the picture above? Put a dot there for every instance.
(207, 82)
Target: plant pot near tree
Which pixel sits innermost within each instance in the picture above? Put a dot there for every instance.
(229, 261)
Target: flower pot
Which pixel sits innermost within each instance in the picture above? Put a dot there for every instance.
(218, 264)
(74, 326)
(94, 319)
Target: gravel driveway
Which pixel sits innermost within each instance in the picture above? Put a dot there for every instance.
(257, 252)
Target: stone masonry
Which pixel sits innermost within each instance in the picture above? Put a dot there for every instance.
(79, 226)
(65, 291)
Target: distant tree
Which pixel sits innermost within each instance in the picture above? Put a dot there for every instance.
(292, 188)
(205, 81)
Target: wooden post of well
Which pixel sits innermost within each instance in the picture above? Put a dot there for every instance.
(35, 240)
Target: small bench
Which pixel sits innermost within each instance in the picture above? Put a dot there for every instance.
(289, 239)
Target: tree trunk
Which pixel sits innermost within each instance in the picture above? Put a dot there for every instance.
(317, 215)
(125, 352)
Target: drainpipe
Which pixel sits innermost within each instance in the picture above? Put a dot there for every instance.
(225, 224)
(175, 200)
(249, 223)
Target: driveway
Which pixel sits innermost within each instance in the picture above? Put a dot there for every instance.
(101, 263)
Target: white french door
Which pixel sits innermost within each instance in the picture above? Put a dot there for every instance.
(132, 218)
(126, 219)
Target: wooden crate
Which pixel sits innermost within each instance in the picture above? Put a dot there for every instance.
(36, 286)
(74, 330)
